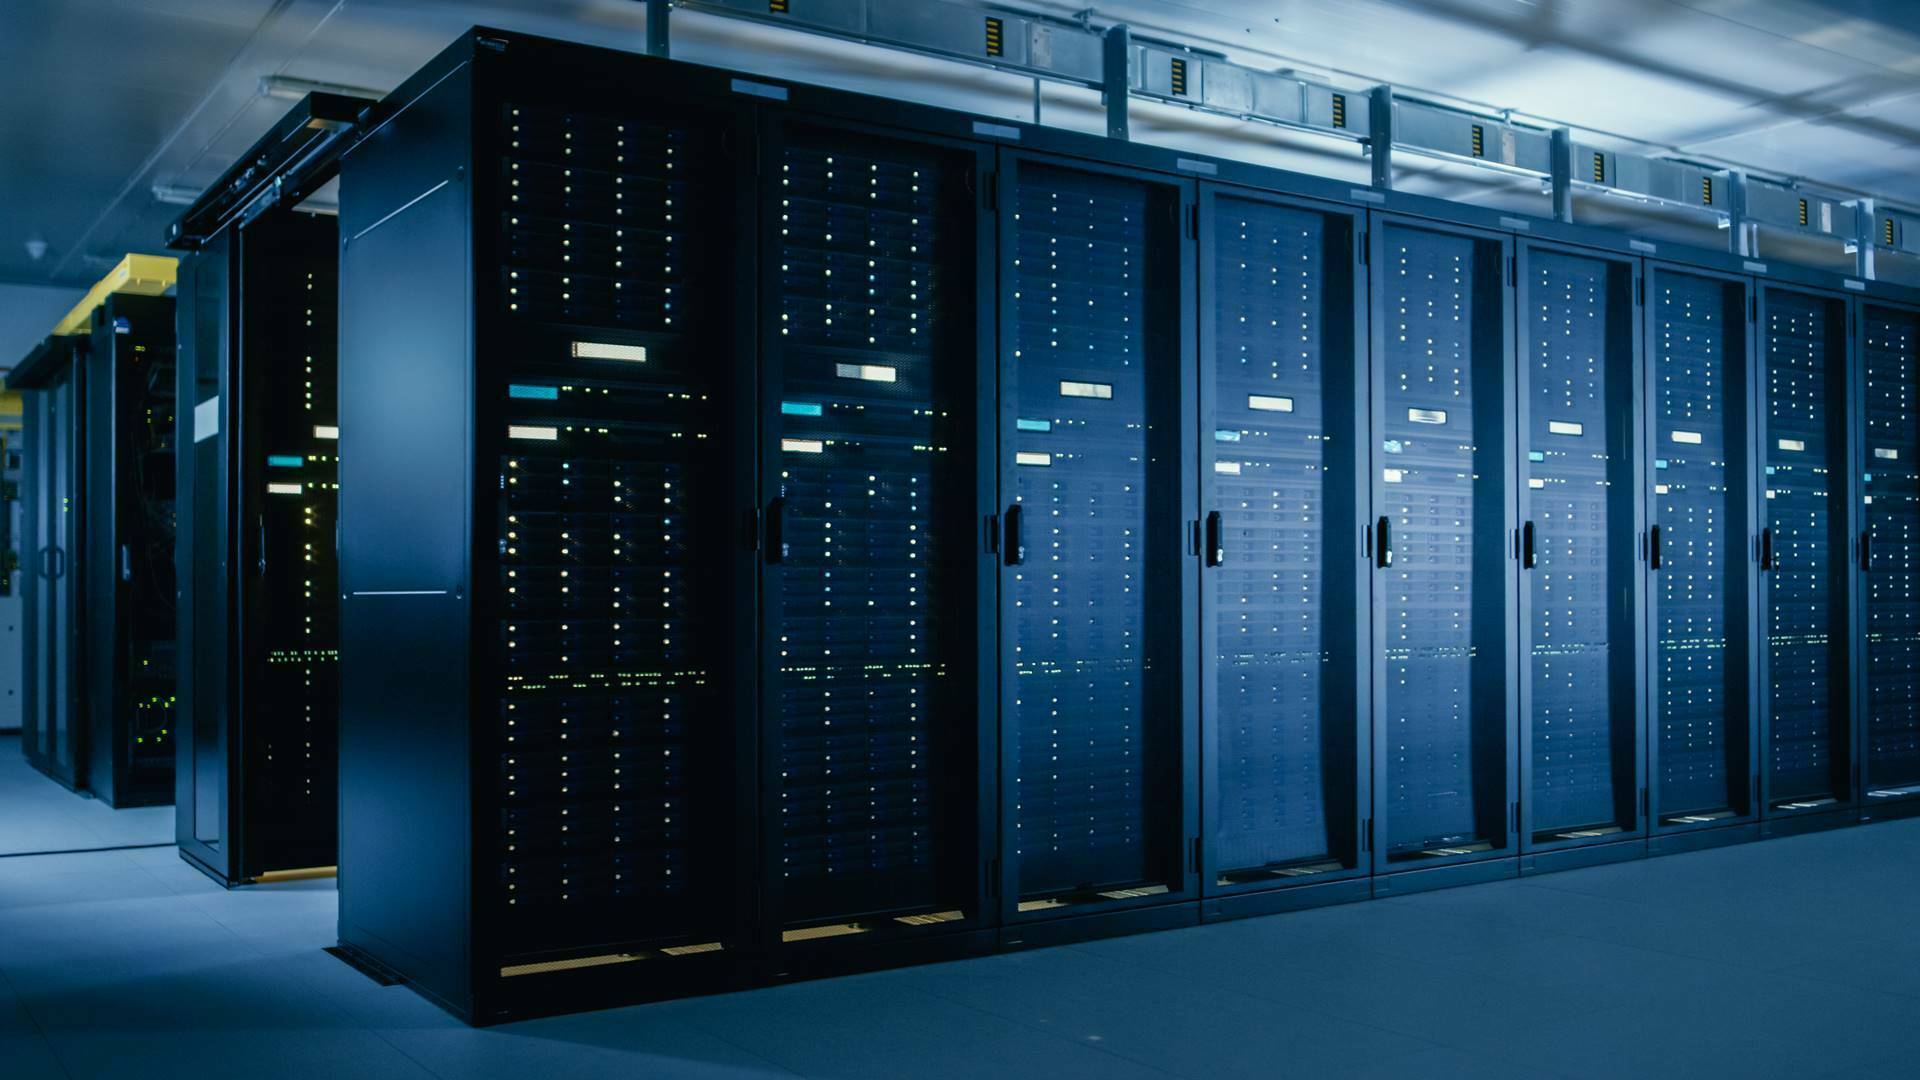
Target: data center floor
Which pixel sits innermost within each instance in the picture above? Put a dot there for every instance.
(1793, 958)
(38, 815)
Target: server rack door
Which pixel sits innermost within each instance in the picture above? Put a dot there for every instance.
(606, 382)
(1098, 631)
(54, 728)
(1890, 551)
(873, 323)
(1702, 755)
(1805, 572)
(1284, 614)
(1580, 584)
(1445, 777)
(287, 477)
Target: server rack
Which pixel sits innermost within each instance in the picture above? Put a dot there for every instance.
(1578, 394)
(1098, 633)
(1803, 346)
(256, 782)
(53, 726)
(1888, 643)
(1446, 783)
(545, 567)
(127, 579)
(1284, 612)
(1703, 753)
(876, 334)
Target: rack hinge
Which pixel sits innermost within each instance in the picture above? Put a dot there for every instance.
(756, 528)
(1193, 221)
(1365, 242)
(1640, 292)
(1644, 801)
(1193, 537)
(1513, 820)
(993, 878)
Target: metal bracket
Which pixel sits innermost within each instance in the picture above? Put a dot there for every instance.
(1560, 174)
(1380, 135)
(1115, 69)
(658, 43)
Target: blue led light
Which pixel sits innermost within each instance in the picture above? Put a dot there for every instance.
(536, 393)
(1034, 425)
(800, 408)
(285, 461)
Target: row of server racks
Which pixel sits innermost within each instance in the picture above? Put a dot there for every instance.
(96, 553)
(785, 532)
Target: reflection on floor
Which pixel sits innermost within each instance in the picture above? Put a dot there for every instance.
(1791, 958)
(37, 814)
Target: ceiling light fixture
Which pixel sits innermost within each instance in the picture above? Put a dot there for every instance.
(289, 88)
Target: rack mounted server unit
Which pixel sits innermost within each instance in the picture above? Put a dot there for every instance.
(258, 776)
(844, 533)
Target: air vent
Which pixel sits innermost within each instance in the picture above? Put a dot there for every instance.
(1339, 110)
(1179, 77)
(1803, 212)
(996, 43)
(1479, 141)
(1706, 191)
(1599, 168)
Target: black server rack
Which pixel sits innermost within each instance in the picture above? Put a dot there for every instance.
(1098, 632)
(1581, 588)
(127, 579)
(1445, 752)
(544, 486)
(256, 778)
(877, 600)
(1284, 615)
(1803, 345)
(1703, 754)
(1889, 558)
(53, 726)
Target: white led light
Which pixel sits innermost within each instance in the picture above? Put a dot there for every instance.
(1427, 416)
(325, 431)
(1261, 403)
(527, 431)
(803, 446)
(867, 372)
(283, 489)
(607, 350)
(1227, 468)
(1103, 391)
(1566, 427)
(1691, 437)
(1027, 458)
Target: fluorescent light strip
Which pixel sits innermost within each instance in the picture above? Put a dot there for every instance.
(1566, 427)
(325, 431)
(1025, 458)
(607, 350)
(1100, 390)
(803, 446)
(867, 372)
(284, 489)
(537, 434)
(1262, 403)
(1691, 438)
(1427, 416)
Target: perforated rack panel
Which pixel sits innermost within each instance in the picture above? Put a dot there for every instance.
(1430, 490)
(1696, 355)
(291, 295)
(1568, 471)
(611, 634)
(1891, 358)
(873, 332)
(1081, 472)
(1274, 458)
(1801, 334)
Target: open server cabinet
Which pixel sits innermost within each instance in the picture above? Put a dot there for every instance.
(847, 533)
(53, 728)
(257, 776)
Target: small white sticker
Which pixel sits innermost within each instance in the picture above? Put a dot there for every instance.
(206, 419)
(283, 489)
(1392, 476)
(325, 431)
(536, 434)
(803, 446)
(1536, 483)
(1886, 453)
(868, 372)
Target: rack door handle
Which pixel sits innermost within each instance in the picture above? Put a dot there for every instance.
(778, 547)
(126, 563)
(1216, 539)
(1383, 543)
(1527, 559)
(1766, 549)
(1653, 547)
(1016, 541)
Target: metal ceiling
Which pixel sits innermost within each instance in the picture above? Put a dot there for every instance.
(103, 101)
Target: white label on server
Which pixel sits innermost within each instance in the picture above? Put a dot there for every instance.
(1792, 444)
(1227, 468)
(803, 446)
(868, 372)
(1262, 403)
(1690, 437)
(1026, 457)
(1103, 391)
(206, 419)
(1886, 453)
(1566, 427)
(1427, 416)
